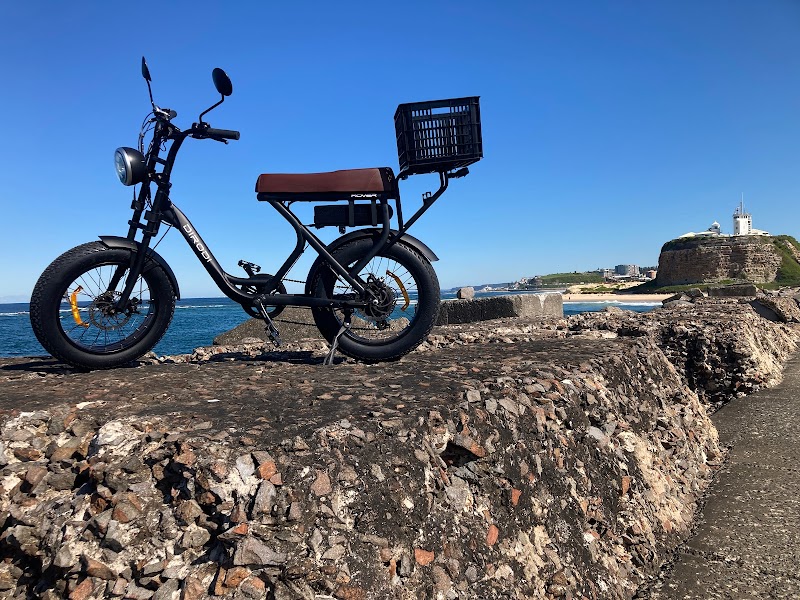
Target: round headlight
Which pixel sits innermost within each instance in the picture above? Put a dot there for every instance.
(130, 166)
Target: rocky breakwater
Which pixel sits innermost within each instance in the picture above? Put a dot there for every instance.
(514, 459)
(722, 348)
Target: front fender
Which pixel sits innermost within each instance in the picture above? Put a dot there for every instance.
(113, 241)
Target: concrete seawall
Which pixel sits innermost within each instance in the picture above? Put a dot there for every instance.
(296, 323)
(526, 306)
(517, 458)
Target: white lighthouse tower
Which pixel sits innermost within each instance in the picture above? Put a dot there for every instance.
(742, 221)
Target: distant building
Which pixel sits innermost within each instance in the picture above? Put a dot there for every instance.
(651, 274)
(742, 221)
(742, 225)
(713, 231)
(604, 273)
(627, 270)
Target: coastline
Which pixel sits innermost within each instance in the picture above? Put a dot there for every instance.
(622, 298)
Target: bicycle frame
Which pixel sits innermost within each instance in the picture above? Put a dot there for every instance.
(227, 283)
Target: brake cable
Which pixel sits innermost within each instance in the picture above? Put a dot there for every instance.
(162, 237)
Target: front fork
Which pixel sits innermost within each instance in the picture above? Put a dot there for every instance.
(138, 258)
(134, 271)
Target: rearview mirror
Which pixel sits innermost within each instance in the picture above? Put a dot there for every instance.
(145, 70)
(222, 82)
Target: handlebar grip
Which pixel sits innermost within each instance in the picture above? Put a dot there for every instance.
(227, 134)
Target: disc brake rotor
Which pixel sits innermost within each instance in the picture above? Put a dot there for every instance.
(102, 317)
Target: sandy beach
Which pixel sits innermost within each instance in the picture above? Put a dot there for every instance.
(624, 298)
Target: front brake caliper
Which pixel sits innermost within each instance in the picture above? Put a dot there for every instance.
(73, 302)
(133, 306)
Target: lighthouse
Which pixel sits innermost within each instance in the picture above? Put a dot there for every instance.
(742, 221)
(742, 225)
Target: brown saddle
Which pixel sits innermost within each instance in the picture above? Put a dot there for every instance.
(380, 181)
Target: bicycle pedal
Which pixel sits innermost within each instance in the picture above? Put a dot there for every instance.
(274, 334)
(250, 268)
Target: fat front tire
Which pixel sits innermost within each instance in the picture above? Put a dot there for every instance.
(408, 292)
(72, 310)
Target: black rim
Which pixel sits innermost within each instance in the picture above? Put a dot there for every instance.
(88, 320)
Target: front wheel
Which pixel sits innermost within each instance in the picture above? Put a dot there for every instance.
(73, 312)
(405, 292)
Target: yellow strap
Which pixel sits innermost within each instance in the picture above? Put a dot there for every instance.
(402, 289)
(73, 302)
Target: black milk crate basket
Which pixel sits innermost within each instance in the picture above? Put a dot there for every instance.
(438, 135)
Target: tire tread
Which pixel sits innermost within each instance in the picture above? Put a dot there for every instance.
(38, 318)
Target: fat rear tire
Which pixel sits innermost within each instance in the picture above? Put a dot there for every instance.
(84, 337)
(365, 341)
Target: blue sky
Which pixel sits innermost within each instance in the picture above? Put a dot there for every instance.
(608, 127)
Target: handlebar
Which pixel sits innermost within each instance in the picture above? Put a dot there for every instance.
(203, 131)
(226, 134)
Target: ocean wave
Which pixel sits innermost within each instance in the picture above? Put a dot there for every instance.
(65, 311)
(178, 306)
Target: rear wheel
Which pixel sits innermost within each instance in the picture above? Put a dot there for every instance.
(73, 311)
(406, 301)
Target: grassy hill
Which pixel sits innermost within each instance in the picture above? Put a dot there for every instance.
(571, 278)
(789, 249)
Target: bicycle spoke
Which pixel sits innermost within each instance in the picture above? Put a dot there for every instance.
(391, 276)
(100, 329)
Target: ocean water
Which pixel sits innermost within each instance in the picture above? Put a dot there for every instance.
(198, 321)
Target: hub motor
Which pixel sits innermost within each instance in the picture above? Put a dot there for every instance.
(382, 303)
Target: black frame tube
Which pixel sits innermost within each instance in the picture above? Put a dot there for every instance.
(317, 244)
(426, 204)
(226, 283)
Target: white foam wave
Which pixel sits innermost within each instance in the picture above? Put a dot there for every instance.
(201, 306)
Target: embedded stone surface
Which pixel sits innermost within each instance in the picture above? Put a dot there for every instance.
(518, 458)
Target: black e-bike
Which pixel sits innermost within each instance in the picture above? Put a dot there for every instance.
(373, 292)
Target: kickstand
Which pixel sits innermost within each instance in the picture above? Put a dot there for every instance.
(272, 331)
(345, 326)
